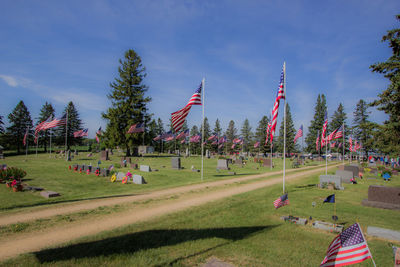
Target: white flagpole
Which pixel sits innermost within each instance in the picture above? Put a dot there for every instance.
(37, 144)
(284, 124)
(202, 131)
(50, 141)
(66, 136)
(27, 140)
(343, 143)
(271, 138)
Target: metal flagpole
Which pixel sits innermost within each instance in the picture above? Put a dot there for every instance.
(202, 131)
(27, 139)
(37, 144)
(144, 131)
(326, 157)
(50, 141)
(343, 142)
(284, 124)
(66, 136)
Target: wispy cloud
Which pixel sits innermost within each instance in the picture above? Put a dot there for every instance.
(11, 81)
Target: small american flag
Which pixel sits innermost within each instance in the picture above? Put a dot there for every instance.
(56, 122)
(212, 137)
(136, 128)
(324, 129)
(237, 140)
(222, 140)
(98, 133)
(25, 136)
(298, 134)
(331, 136)
(215, 142)
(233, 146)
(183, 134)
(351, 144)
(195, 138)
(349, 247)
(339, 133)
(333, 144)
(221, 146)
(281, 201)
(158, 137)
(179, 117)
(81, 133)
(317, 142)
(256, 144)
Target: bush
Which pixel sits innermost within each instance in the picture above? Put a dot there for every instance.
(12, 173)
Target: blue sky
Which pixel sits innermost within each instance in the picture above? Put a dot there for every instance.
(61, 51)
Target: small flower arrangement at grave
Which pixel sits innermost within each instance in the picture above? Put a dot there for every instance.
(113, 178)
(76, 168)
(12, 173)
(97, 172)
(87, 172)
(80, 170)
(16, 185)
(69, 167)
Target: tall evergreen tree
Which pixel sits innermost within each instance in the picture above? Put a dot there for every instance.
(128, 103)
(194, 147)
(261, 134)
(46, 112)
(290, 134)
(338, 119)
(316, 124)
(246, 134)
(207, 130)
(1, 125)
(231, 131)
(20, 120)
(362, 127)
(389, 99)
(74, 124)
(217, 128)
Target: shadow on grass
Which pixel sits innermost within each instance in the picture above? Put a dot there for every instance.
(237, 174)
(308, 186)
(150, 239)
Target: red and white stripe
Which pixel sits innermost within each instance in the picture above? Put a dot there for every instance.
(280, 95)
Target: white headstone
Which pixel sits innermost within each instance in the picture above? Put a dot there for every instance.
(138, 179)
(145, 168)
(120, 176)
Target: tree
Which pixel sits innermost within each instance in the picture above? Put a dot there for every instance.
(362, 127)
(231, 131)
(159, 130)
(217, 128)
(207, 130)
(194, 147)
(338, 119)
(261, 133)
(74, 124)
(290, 133)
(389, 99)
(128, 103)
(46, 112)
(20, 120)
(246, 134)
(316, 124)
(1, 125)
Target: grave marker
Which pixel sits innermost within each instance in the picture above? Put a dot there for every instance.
(347, 176)
(223, 164)
(49, 194)
(352, 168)
(268, 163)
(337, 180)
(383, 197)
(120, 176)
(145, 168)
(176, 163)
(138, 179)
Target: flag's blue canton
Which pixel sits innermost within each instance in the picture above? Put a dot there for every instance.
(351, 236)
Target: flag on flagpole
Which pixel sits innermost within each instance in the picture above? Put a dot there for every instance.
(330, 199)
(279, 95)
(212, 137)
(268, 132)
(333, 144)
(347, 248)
(178, 117)
(339, 133)
(298, 134)
(81, 133)
(281, 201)
(136, 128)
(158, 137)
(332, 135)
(25, 136)
(324, 129)
(233, 146)
(195, 138)
(222, 140)
(350, 144)
(56, 122)
(183, 134)
(183, 141)
(98, 133)
(317, 142)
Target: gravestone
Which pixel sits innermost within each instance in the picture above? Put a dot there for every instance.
(208, 153)
(328, 226)
(134, 166)
(138, 179)
(187, 152)
(268, 163)
(83, 167)
(88, 167)
(374, 171)
(346, 176)
(90, 155)
(176, 163)
(145, 168)
(223, 164)
(383, 197)
(341, 168)
(120, 176)
(239, 161)
(372, 164)
(337, 180)
(49, 194)
(104, 172)
(104, 155)
(352, 168)
(69, 155)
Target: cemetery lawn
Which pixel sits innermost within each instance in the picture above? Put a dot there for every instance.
(52, 174)
(244, 230)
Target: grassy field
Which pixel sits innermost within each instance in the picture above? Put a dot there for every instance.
(52, 174)
(244, 230)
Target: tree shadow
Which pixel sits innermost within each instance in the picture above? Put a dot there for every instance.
(237, 174)
(150, 239)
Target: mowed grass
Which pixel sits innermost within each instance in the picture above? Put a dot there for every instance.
(244, 230)
(52, 174)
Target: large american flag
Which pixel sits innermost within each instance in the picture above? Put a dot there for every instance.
(56, 122)
(136, 128)
(298, 134)
(281, 201)
(279, 95)
(324, 129)
(178, 117)
(348, 248)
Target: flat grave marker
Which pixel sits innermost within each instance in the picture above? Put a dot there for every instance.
(49, 194)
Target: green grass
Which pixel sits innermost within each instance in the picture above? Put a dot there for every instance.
(244, 230)
(52, 174)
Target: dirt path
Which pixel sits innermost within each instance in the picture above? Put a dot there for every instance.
(62, 209)
(36, 241)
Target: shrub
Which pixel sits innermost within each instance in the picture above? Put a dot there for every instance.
(12, 173)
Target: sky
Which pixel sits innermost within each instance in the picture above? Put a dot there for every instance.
(61, 51)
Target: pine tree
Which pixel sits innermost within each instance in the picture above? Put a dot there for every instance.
(290, 134)
(159, 130)
(20, 120)
(231, 131)
(46, 112)
(74, 124)
(261, 134)
(389, 99)
(1, 125)
(207, 130)
(128, 103)
(246, 134)
(217, 128)
(338, 119)
(362, 127)
(316, 124)
(194, 147)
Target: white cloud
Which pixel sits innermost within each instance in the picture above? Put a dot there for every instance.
(11, 81)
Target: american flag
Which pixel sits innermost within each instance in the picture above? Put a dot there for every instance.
(256, 144)
(281, 201)
(195, 139)
(158, 137)
(56, 122)
(98, 133)
(233, 146)
(183, 141)
(183, 134)
(212, 137)
(279, 95)
(268, 132)
(237, 141)
(350, 144)
(324, 129)
(136, 128)
(298, 134)
(331, 136)
(333, 144)
(357, 145)
(317, 142)
(166, 135)
(170, 138)
(215, 142)
(349, 247)
(81, 133)
(339, 133)
(222, 140)
(221, 145)
(25, 136)
(178, 117)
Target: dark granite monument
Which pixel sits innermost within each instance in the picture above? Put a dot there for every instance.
(104, 155)
(383, 197)
(176, 163)
(267, 163)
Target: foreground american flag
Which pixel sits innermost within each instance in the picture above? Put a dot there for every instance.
(281, 201)
(279, 95)
(298, 134)
(349, 247)
(178, 117)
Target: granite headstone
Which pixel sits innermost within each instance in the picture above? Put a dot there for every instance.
(223, 164)
(145, 168)
(347, 176)
(138, 179)
(176, 163)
